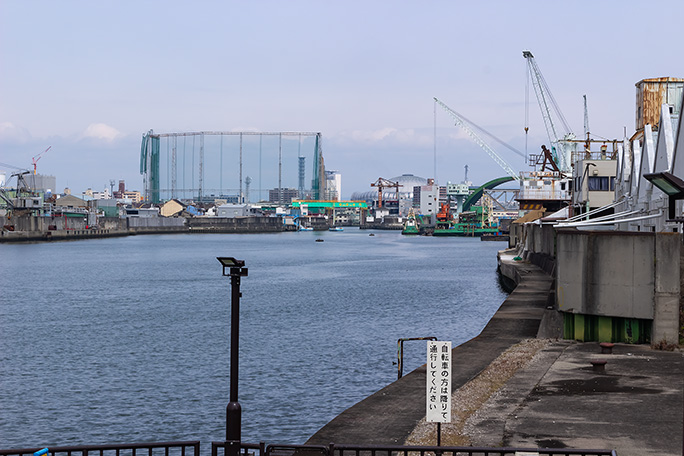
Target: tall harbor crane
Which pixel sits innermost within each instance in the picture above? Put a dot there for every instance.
(469, 128)
(560, 135)
(382, 183)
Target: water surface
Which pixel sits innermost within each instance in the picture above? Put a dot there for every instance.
(127, 339)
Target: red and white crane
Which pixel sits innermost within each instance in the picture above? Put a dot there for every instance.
(36, 158)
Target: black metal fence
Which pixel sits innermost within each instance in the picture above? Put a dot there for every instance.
(262, 449)
(183, 448)
(192, 448)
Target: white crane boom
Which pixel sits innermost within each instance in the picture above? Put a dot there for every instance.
(549, 109)
(586, 118)
(465, 125)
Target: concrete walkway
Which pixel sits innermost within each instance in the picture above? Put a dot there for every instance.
(388, 416)
(560, 401)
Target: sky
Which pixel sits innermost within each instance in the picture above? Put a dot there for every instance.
(88, 79)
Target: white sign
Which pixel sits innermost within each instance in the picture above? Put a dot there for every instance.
(438, 382)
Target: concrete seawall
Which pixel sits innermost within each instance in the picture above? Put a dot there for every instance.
(110, 227)
(389, 416)
(60, 235)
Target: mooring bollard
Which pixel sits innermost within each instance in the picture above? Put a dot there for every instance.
(599, 365)
(607, 348)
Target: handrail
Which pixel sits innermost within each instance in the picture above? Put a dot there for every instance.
(409, 450)
(86, 449)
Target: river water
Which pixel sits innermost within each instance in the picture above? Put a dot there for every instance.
(127, 339)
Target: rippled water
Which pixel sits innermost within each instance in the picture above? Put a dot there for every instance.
(126, 339)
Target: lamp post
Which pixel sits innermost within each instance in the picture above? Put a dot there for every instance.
(234, 269)
(584, 178)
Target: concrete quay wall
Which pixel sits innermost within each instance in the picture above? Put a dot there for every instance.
(36, 229)
(626, 274)
(238, 225)
(623, 275)
(391, 414)
(59, 235)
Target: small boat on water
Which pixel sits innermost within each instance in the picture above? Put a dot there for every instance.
(335, 228)
(319, 240)
(411, 224)
(305, 228)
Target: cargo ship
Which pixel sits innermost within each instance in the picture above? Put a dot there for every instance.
(474, 223)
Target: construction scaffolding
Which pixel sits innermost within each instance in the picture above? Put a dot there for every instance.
(194, 165)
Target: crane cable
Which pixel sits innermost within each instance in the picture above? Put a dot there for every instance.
(168, 162)
(482, 130)
(184, 187)
(434, 141)
(221, 165)
(527, 104)
(5, 165)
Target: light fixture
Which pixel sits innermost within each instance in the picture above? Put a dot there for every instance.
(230, 263)
(667, 182)
(671, 185)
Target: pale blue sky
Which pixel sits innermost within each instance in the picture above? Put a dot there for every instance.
(88, 78)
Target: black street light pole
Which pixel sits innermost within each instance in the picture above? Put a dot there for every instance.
(234, 269)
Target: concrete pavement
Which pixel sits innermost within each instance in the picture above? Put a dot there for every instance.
(559, 401)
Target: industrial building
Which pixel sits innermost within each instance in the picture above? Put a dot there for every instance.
(282, 195)
(233, 210)
(426, 198)
(406, 185)
(333, 186)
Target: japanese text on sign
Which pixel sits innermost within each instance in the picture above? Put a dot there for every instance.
(438, 382)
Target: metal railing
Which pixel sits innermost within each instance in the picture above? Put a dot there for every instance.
(192, 448)
(181, 448)
(262, 449)
(400, 352)
(355, 450)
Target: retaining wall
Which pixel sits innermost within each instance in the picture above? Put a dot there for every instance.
(615, 274)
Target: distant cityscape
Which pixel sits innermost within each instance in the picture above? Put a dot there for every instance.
(191, 181)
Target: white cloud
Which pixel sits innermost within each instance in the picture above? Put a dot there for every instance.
(388, 135)
(13, 133)
(101, 131)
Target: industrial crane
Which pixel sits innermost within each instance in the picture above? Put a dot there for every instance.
(561, 141)
(21, 184)
(36, 158)
(469, 128)
(382, 183)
